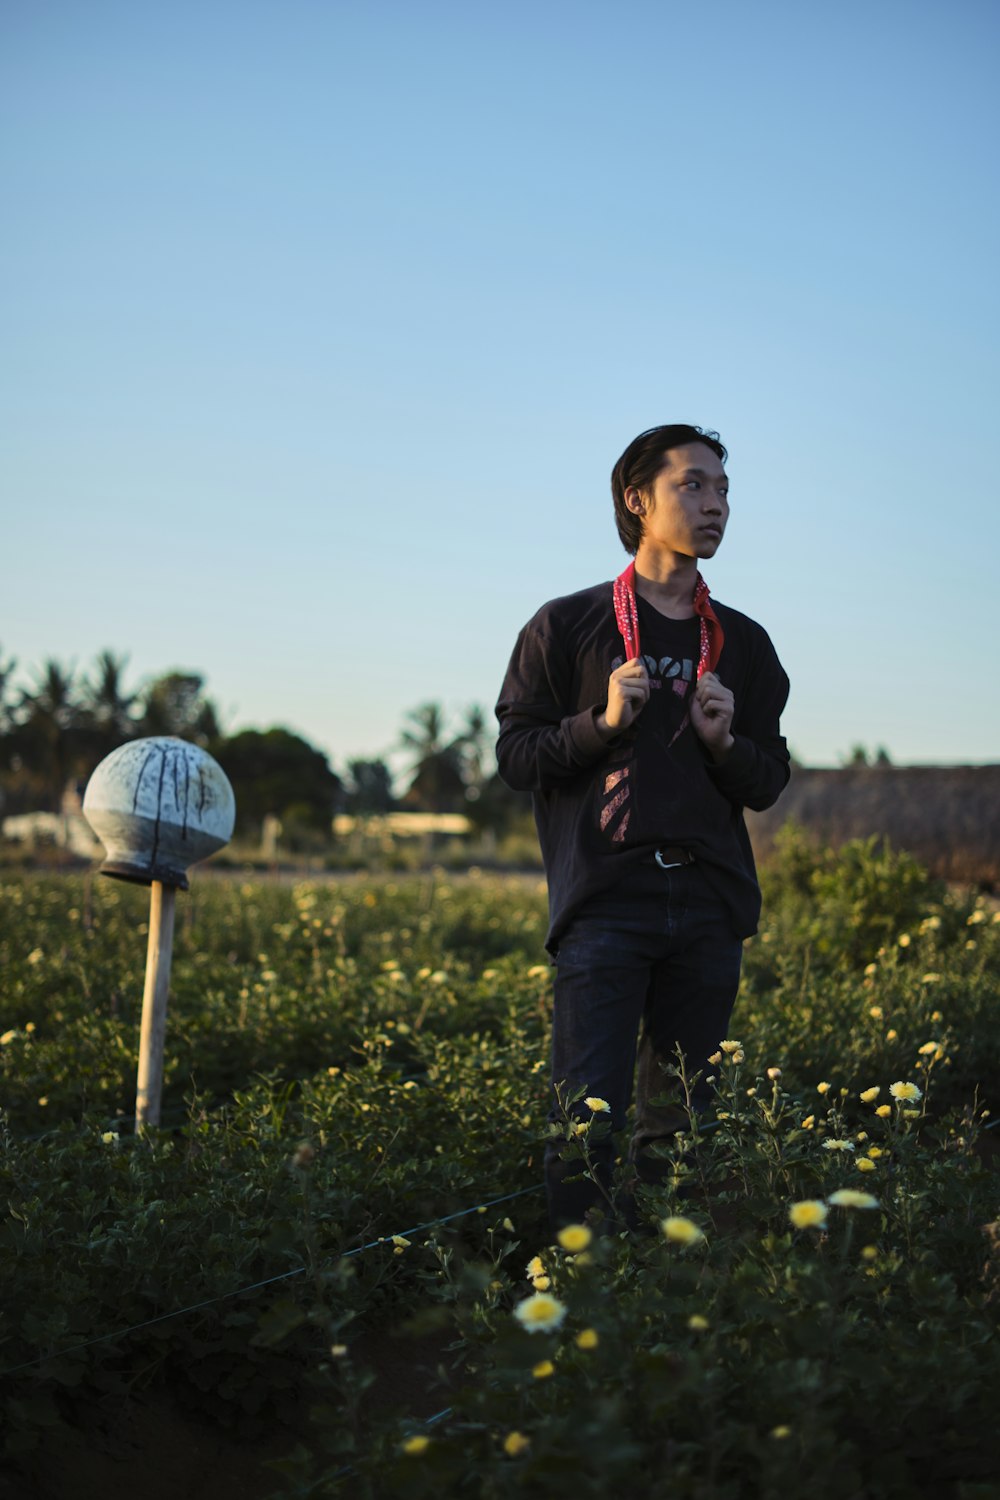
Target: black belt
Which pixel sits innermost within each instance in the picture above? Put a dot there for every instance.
(672, 854)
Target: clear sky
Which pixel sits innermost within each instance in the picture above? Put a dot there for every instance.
(324, 323)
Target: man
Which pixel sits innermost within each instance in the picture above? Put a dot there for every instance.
(644, 717)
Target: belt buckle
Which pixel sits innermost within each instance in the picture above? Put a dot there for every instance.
(673, 865)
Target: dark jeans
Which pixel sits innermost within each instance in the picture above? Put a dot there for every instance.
(661, 952)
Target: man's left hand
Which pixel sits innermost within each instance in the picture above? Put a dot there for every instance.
(712, 708)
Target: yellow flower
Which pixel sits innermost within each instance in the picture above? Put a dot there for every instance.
(730, 1047)
(904, 940)
(416, 1445)
(110, 1138)
(929, 1047)
(875, 1152)
(781, 1432)
(908, 1114)
(515, 1443)
(541, 1283)
(808, 1122)
(892, 1035)
(930, 924)
(868, 1096)
(400, 1243)
(8, 1036)
(876, 1010)
(738, 1057)
(574, 1237)
(975, 917)
(507, 1224)
(598, 1106)
(810, 1213)
(774, 1073)
(535, 1266)
(681, 1231)
(587, 1339)
(884, 1110)
(338, 1351)
(822, 1088)
(540, 1313)
(870, 1252)
(304, 1155)
(581, 1127)
(931, 977)
(543, 1369)
(698, 1324)
(904, 1091)
(865, 1164)
(715, 1059)
(537, 970)
(851, 1198)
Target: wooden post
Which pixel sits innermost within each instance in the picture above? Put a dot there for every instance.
(149, 1086)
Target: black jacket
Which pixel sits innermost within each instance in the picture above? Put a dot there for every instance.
(602, 808)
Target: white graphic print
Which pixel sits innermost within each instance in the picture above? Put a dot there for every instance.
(678, 671)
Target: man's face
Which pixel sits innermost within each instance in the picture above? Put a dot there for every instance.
(686, 508)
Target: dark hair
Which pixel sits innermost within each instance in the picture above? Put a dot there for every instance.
(640, 464)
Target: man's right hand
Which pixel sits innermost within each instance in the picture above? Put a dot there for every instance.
(628, 694)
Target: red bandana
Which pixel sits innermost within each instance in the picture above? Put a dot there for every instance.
(627, 615)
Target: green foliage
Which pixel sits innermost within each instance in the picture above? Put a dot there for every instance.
(369, 787)
(349, 1060)
(275, 771)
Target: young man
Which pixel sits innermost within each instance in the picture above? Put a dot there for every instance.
(644, 717)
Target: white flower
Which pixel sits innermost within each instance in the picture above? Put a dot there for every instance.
(540, 1313)
(852, 1198)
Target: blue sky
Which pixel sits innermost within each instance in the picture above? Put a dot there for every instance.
(323, 325)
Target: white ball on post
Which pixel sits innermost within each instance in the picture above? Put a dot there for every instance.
(158, 805)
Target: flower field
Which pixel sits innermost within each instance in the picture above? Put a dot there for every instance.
(334, 1253)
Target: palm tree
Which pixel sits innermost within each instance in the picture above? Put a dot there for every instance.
(174, 704)
(6, 707)
(108, 707)
(475, 745)
(48, 737)
(438, 765)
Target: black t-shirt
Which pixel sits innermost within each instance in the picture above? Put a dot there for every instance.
(602, 807)
(670, 651)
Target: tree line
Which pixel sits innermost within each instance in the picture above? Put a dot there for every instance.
(56, 730)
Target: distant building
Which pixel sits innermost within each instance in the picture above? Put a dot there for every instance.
(65, 830)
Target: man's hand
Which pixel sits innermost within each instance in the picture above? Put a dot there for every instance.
(712, 708)
(628, 694)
